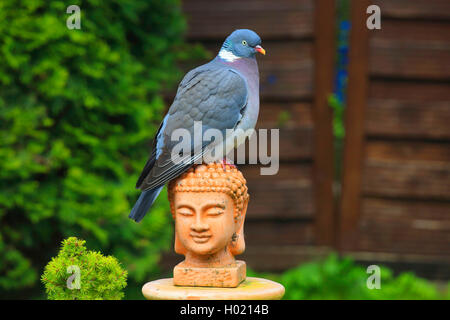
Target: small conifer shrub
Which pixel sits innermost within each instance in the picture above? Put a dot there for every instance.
(79, 274)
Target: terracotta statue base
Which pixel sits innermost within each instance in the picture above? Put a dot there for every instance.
(250, 289)
(222, 277)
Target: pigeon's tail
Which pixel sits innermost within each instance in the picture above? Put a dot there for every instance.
(144, 203)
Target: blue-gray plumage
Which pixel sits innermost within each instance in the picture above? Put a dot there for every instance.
(222, 94)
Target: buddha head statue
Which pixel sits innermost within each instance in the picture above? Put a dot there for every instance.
(209, 203)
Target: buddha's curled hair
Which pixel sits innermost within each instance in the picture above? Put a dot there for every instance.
(212, 177)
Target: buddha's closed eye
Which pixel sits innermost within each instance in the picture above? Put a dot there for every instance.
(184, 211)
(215, 211)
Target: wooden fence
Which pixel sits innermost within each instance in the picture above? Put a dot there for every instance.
(395, 203)
(394, 206)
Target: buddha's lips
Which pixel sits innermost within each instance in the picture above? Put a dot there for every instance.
(200, 238)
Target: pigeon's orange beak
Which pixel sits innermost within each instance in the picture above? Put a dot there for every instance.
(260, 49)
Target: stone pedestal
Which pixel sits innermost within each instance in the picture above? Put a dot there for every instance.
(251, 289)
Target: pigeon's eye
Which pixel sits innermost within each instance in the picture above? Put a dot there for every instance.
(244, 42)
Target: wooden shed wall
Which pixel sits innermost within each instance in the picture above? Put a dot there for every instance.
(396, 192)
(395, 202)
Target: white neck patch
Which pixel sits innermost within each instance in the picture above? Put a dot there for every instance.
(227, 55)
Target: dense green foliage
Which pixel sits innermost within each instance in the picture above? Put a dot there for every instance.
(99, 277)
(341, 278)
(78, 109)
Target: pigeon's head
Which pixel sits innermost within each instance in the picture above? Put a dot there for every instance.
(242, 43)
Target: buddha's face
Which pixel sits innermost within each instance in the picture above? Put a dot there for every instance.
(204, 222)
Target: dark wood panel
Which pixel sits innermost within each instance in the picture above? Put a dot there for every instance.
(407, 151)
(417, 91)
(426, 266)
(417, 212)
(408, 109)
(409, 179)
(293, 144)
(414, 9)
(286, 71)
(408, 118)
(285, 115)
(405, 226)
(289, 171)
(295, 129)
(411, 49)
(274, 258)
(279, 232)
(214, 19)
(285, 195)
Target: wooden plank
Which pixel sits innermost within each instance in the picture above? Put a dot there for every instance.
(418, 91)
(286, 71)
(285, 115)
(279, 233)
(414, 9)
(408, 119)
(412, 31)
(407, 151)
(416, 211)
(405, 226)
(426, 266)
(294, 122)
(411, 49)
(286, 195)
(273, 258)
(286, 201)
(407, 179)
(282, 19)
(354, 123)
(294, 144)
(408, 110)
(323, 119)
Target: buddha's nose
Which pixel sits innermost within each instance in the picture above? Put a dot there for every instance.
(199, 225)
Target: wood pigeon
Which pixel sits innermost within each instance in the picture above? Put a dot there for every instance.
(222, 94)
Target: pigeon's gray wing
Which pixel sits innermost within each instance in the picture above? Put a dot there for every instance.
(217, 96)
(152, 159)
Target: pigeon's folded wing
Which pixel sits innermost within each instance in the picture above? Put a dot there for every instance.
(214, 95)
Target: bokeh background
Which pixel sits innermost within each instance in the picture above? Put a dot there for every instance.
(364, 126)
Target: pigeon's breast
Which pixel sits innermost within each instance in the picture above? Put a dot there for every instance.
(249, 70)
(251, 112)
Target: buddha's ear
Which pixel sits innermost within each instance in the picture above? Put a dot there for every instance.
(238, 246)
(242, 217)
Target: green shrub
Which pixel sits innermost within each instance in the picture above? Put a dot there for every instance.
(98, 277)
(341, 278)
(78, 110)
